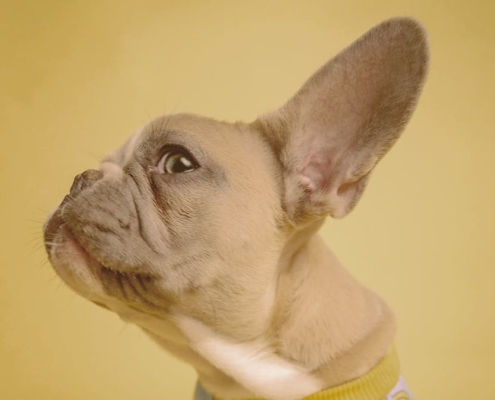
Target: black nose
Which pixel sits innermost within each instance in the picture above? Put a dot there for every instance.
(85, 180)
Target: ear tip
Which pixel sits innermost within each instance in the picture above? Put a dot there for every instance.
(412, 33)
(409, 27)
(404, 24)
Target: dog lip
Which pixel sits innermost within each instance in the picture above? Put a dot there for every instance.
(83, 249)
(51, 228)
(56, 225)
(70, 236)
(112, 279)
(89, 255)
(53, 224)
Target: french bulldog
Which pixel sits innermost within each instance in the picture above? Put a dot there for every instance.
(204, 233)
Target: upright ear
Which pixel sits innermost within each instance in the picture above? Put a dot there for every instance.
(332, 133)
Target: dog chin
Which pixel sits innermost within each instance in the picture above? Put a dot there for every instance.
(75, 266)
(106, 287)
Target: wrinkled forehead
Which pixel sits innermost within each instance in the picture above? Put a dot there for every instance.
(220, 140)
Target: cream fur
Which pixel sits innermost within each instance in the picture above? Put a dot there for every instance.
(222, 265)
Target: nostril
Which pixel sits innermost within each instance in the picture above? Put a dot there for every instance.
(92, 175)
(85, 180)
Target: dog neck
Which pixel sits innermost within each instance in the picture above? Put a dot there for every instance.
(325, 319)
(325, 329)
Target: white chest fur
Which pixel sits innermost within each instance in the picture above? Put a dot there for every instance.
(252, 364)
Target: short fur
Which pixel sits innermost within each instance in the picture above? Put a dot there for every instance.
(222, 266)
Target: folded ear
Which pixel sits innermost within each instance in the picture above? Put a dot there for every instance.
(332, 133)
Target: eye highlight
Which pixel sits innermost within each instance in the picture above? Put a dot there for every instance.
(176, 161)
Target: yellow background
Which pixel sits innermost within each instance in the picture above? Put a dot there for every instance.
(77, 77)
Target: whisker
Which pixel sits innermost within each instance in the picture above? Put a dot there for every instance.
(42, 264)
(36, 249)
(97, 156)
(34, 221)
(126, 324)
(35, 240)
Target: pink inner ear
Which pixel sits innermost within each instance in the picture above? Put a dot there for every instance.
(307, 184)
(316, 168)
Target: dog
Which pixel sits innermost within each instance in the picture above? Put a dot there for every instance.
(204, 233)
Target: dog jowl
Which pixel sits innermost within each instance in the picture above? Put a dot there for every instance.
(204, 233)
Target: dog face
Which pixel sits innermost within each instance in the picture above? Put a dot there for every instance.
(197, 217)
(167, 221)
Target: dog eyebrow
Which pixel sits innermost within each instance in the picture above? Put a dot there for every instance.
(155, 139)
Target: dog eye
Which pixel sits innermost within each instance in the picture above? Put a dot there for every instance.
(176, 161)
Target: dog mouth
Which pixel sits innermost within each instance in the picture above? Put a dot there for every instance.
(57, 233)
(56, 225)
(135, 288)
(52, 226)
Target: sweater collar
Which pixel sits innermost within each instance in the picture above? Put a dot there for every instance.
(374, 385)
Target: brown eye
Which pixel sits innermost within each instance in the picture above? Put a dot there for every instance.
(176, 161)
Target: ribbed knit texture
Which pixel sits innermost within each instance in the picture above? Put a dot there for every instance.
(374, 385)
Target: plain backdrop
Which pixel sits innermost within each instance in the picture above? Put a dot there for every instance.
(76, 78)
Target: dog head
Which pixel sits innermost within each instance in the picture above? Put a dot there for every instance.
(197, 217)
